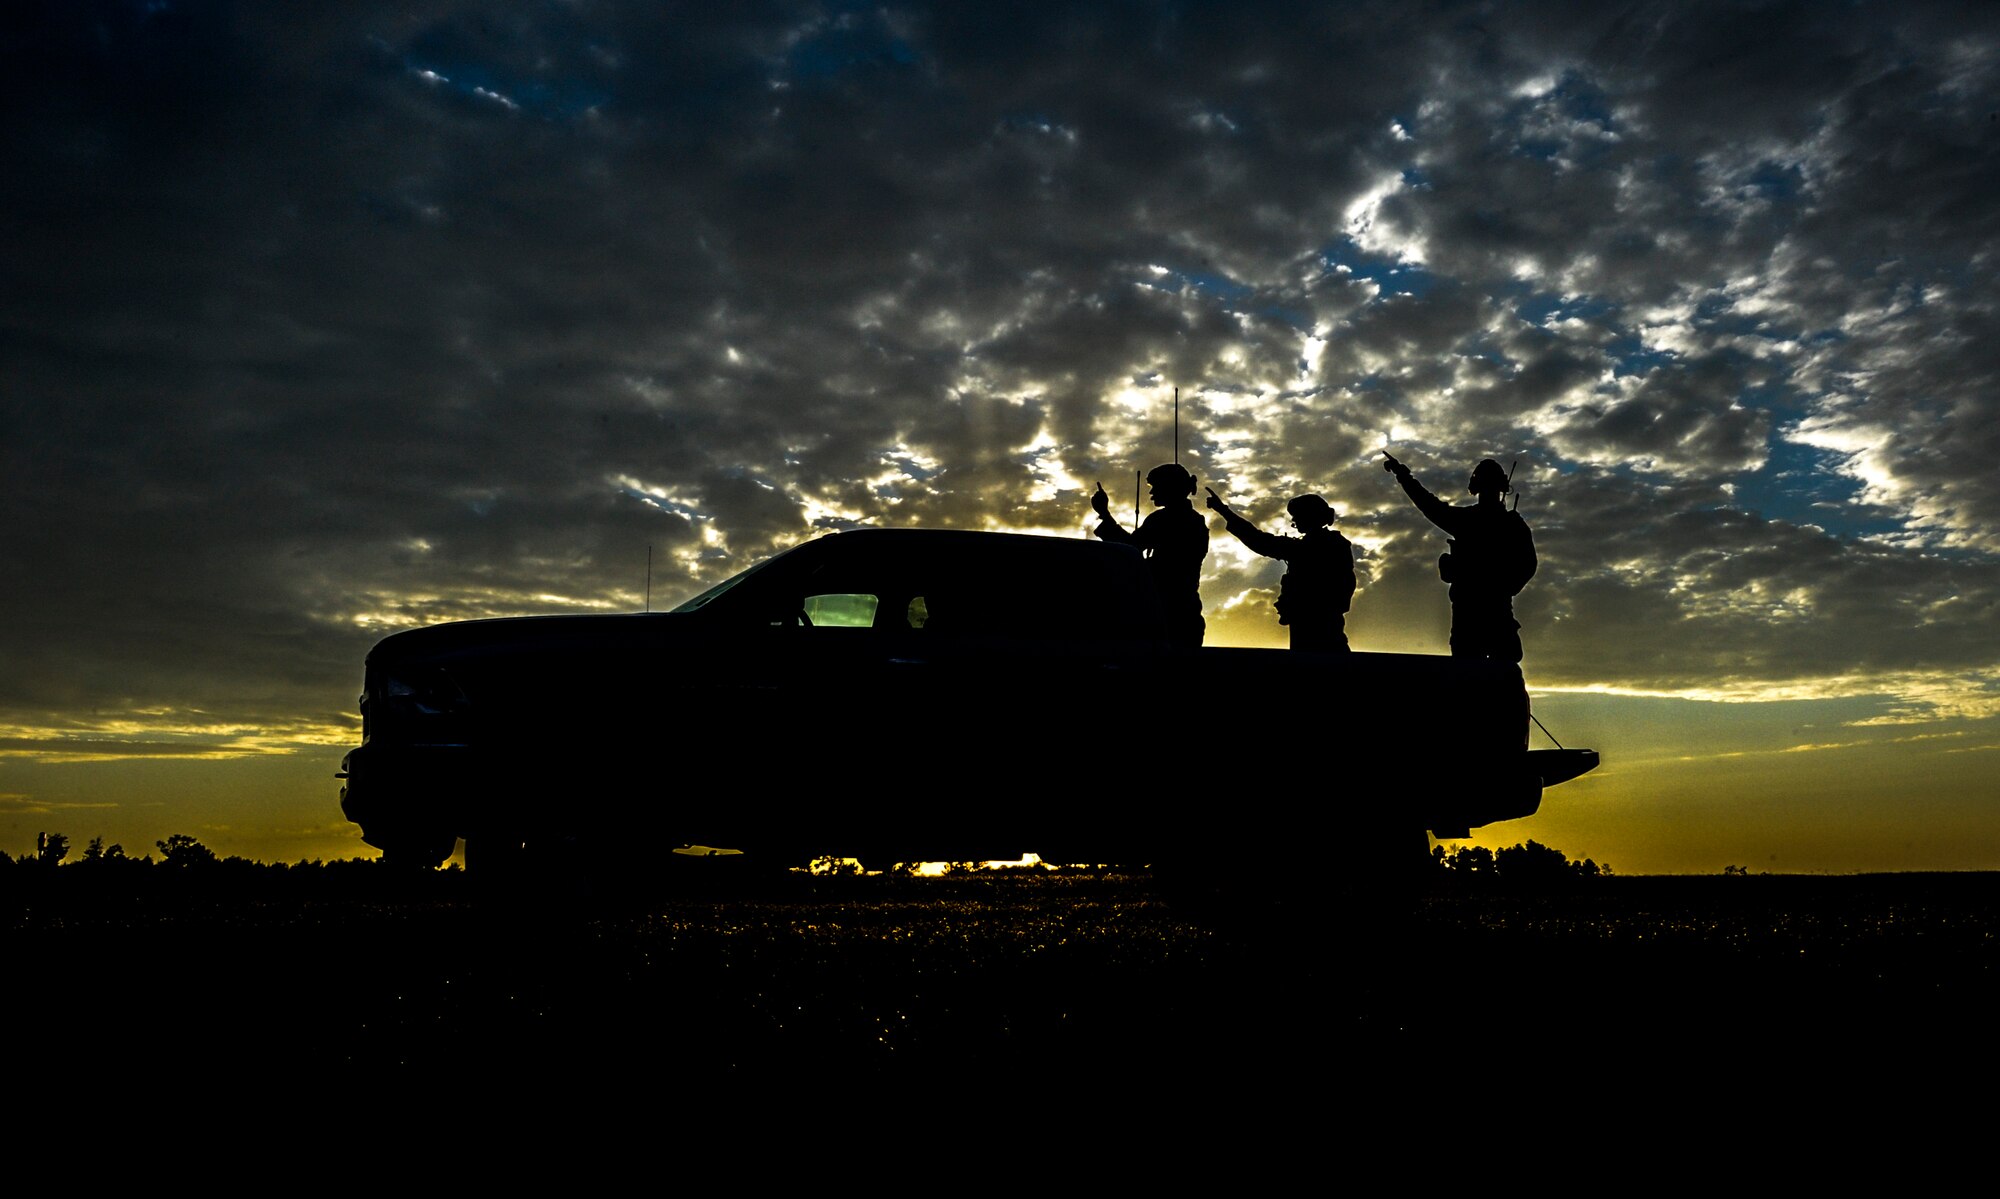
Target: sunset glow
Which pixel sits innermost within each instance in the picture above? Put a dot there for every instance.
(321, 329)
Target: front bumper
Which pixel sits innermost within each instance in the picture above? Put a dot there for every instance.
(410, 796)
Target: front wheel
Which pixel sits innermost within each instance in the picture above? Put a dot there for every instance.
(495, 856)
(415, 851)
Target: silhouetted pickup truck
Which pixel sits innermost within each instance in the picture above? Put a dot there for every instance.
(919, 695)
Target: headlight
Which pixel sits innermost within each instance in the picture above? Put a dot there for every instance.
(424, 693)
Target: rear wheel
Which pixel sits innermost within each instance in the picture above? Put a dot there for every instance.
(753, 873)
(1366, 892)
(1242, 894)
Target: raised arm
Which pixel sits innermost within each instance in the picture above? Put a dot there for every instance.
(1107, 528)
(1432, 507)
(1270, 545)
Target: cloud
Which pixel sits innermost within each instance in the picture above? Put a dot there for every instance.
(319, 325)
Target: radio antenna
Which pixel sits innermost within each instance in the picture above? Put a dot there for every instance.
(1136, 476)
(1517, 508)
(1177, 426)
(649, 576)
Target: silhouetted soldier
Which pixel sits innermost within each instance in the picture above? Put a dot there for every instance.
(1318, 586)
(1492, 557)
(1174, 539)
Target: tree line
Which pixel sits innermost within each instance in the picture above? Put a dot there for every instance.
(1532, 864)
(180, 864)
(178, 852)
(183, 856)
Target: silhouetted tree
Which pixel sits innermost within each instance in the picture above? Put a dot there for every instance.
(97, 853)
(1472, 859)
(51, 848)
(183, 851)
(1533, 863)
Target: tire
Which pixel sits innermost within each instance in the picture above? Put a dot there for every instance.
(499, 867)
(1367, 893)
(756, 873)
(416, 852)
(1232, 894)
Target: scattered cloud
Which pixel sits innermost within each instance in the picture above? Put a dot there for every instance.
(322, 325)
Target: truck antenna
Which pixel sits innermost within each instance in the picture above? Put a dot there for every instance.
(1517, 508)
(649, 576)
(1136, 476)
(1177, 426)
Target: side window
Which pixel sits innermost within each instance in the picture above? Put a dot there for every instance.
(917, 613)
(842, 611)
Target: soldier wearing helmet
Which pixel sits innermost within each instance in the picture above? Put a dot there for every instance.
(1318, 587)
(1174, 539)
(1492, 556)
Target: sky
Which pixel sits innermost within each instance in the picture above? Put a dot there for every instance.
(321, 321)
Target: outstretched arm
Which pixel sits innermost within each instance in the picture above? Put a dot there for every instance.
(1436, 509)
(1270, 545)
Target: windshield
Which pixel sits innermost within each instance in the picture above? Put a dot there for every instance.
(713, 593)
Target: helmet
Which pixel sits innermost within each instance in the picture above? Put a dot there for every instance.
(1488, 476)
(1172, 478)
(1311, 509)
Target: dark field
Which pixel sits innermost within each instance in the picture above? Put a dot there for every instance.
(1760, 985)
